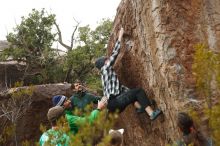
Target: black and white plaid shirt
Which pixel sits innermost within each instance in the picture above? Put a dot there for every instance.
(110, 80)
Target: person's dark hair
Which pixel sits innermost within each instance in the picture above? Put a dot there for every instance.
(53, 123)
(72, 86)
(100, 62)
(190, 134)
(116, 138)
(185, 122)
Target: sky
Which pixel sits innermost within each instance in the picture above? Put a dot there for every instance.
(84, 11)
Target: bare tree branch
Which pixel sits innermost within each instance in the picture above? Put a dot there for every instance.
(6, 78)
(72, 37)
(5, 114)
(5, 111)
(69, 48)
(25, 72)
(16, 106)
(58, 50)
(60, 40)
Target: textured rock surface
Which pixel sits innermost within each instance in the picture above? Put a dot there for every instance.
(163, 34)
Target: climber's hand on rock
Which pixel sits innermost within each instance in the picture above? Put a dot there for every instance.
(101, 105)
(121, 32)
(129, 45)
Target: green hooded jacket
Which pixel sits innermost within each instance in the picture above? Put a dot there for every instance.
(75, 121)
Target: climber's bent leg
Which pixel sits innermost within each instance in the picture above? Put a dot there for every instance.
(123, 100)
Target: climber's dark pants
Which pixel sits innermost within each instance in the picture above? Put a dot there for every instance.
(121, 101)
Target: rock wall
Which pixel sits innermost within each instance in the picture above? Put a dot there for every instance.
(163, 34)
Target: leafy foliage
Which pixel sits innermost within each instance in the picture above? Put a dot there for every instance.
(32, 39)
(91, 44)
(97, 133)
(206, 69)
(6, 134)
(94, 83)
(214, 115)
(30, 43)
(88, 134)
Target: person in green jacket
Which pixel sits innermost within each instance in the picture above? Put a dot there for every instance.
(54, 136)
(76, 121)
(82, 98)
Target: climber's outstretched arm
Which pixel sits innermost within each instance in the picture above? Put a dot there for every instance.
(116, 49)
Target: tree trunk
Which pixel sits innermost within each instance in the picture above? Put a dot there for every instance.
(68, 74)
(15, 133)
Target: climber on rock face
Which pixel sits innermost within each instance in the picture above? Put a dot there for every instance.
(117, 96)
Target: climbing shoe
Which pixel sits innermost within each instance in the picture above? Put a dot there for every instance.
(140, 110)
(155, 114)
